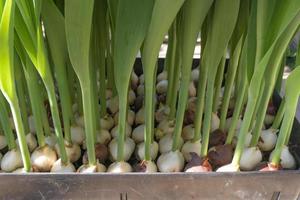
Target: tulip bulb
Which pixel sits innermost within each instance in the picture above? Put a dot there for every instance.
(50, 140)
(3, 142)
(103, 136)
(87, 169)
(162, 87)
(140, 116)
(130, 117)
(162, 76)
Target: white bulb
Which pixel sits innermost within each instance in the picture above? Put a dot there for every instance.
(73, 151)
(140, 151)
(138, 133)
(119, 167)
(130, 117)
(162, 76)
(11, 160)
(50, 140)
(172, 161)
(269, 119)
(131, 97)
(188, 132)
(165, 143)
(128, 130)
(215, 122)
(140, 90)
(59, 167)
(287, 160)
(164, 127)
(228, 124)
(190, 147)
(129, 146)
(162, 87)
(250, 158)
(43, 158)
(87, 169)
(77, 134)
(140, 116)
(113, 104)
(195, 75)
(268, 139)
(107, 122)
(229, 168)
(103, 136)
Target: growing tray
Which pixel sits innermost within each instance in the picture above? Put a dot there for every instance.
(138, 186)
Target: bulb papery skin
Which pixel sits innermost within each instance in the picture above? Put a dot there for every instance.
(129, 146)
(138, 133)
(140, 116)
(3, 142)
(119, 167)
(80, 120)
(164, 127)
(195, 75)
(188, 132)
(228, 124)
(73, 151)
(229, 168)
(106, 122)
(287, 160)
(103, 136)
(250, 158)
(31, 124)
(192, 90)
(51, 140)
(162, 87)
(162, 76)
(268, 139)
(11, 160)
(172, 161)
(189, 147)
(215, 122)
(128, 130)
(165, 143)
(43, 158)
(269, 119)
(87, 169)
(77, 134)
(140, 151)
(113, 104)
(59, 167)
(140, 90)
(130, 117)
